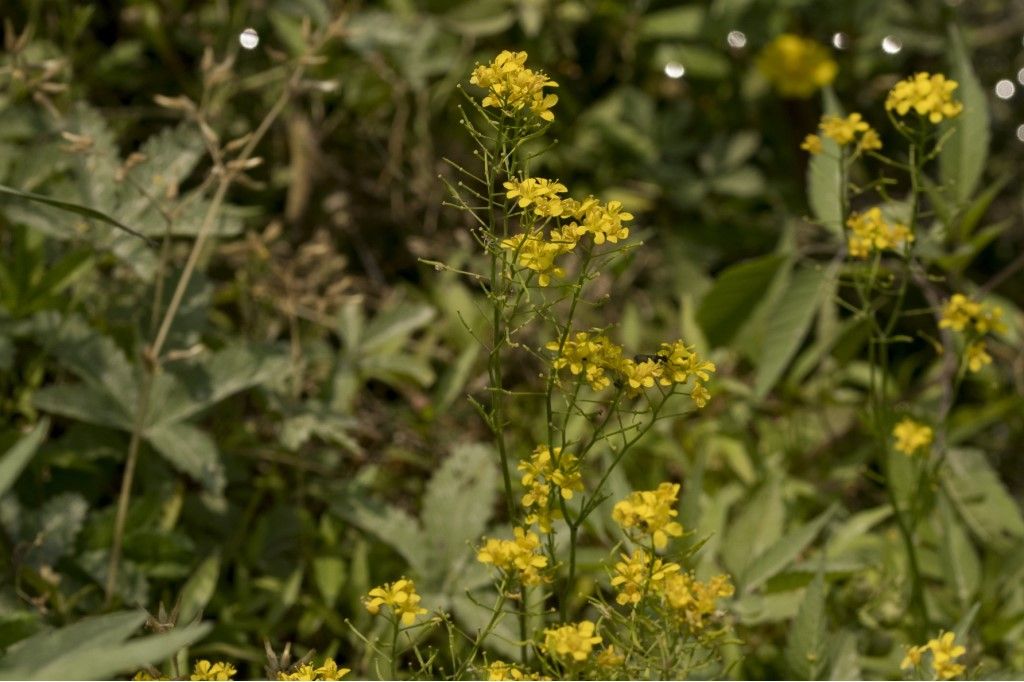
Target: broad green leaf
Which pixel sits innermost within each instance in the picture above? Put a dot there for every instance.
(982, 500)
(96, 634)
(734, 295)
(190, 451)
(825, 175)
(788, 325)
(960, 564)
(845, 659)
(390, 330)
(758, 526)
(458, 503)
(72, 207)
(18, 456)
(391, 526)
(199, 589)
(84, 403)
(962, 159)
(126, 657)
(329, 574)
(672, 24)
(808, 637)
(782, 553)
(48, 532)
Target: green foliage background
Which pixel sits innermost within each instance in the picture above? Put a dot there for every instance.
(312, 437)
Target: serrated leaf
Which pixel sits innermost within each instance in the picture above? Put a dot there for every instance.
(20, 454)
(72, 207)
(825, 175)
(806, 645)
(734, 295)
(981, 499)
(391, 526)
(787, 326)
(962, 159)
(190, 451)
(84, 403)
(49, 532)
(782, 553)
(458, 503)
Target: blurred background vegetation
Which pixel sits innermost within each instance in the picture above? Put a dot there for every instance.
(310, 417)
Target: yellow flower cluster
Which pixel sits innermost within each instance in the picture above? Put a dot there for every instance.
(593, 354)
(844, 131)
(650, 512)
(513, 88)
(536, 253)
(400, 596)
(912, 436)
(540, 193)
(541, 472)
(928, 95)
(328, 671)
(205, 670)
(572, 642)
(692, 600)
(944, 654)
(961, 312)
(796, 66)
(518, 557)
(499, 670)
(639, 575)
(869, 231)
(609, 658)
(977, 356)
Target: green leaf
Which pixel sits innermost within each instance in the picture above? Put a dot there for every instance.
(458, 503)
(845, 659)
(806, 646)
(734, 295)
(190, 451)
(758, 525)
(391, 526)
(825, 175)
(670, 24)
(18, 456)
(84, 403)
(199, 589)
(390, 330)
(329, 575)
(982, 500)
(960, 564)
(782, 553)
(962, 159)
(91, 633)
(788, 325)
(72, 207)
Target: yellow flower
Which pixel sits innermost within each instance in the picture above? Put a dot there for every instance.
(796, 66)
(608, 657)
(944, 654)
(912, 436)
(651, 513)
(680, 364)
(591, 354)
(977, 356)
(640, 575)
(603, 221)
(869, 232)
(400, 596)
(843, 131)
(693, 600)
(519, 557)
(913, 657)
(574, 641)
(928, 95)
(812, 144)
(499, 670)
(147, 676)
(961, 311)
(640, 375)
(535, 253)
(870, 141)
(204, 670)
(541, 193)
(513, 88)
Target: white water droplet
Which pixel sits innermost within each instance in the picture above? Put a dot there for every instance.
(737, 39)
(1005, 89)
(675, 70)
(1020, 132)
(892, 44)
(840, 40)
(249, 38)
(1020, 76)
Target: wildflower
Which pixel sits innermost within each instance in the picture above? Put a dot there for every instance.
(302, 672)
(870, 231)
(541, 193)
(147, 676)
(537, 254)
(841, 130)
(944, 654)
(961, 311)
(812, 144)
(642, 374)
(562, 469)
(870, 141)
(513, 88)
(977, 356)
(796, 66)
(639, 575)
(693, 600)
(913, 657)
(603, 221)
(928, 95)
(400, 596)
(574, 641)
(205, 670)
(499, 670)
(608, 657)
(912, 436)
(651, 512)
(682, 363)
(519, 557)
(591, 354)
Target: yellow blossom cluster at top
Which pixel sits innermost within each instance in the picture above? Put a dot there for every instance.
(796, 66)
(844, 131)
(540, 473)
(518, 557)
(912, 436)
(640, 574)
(650, 512)
(400, 596)
(598, 358)
(869, 232)
(944, 652)
(929, 95)
(329, 670)
(572, 642)
(500, 670)
(513, 88)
